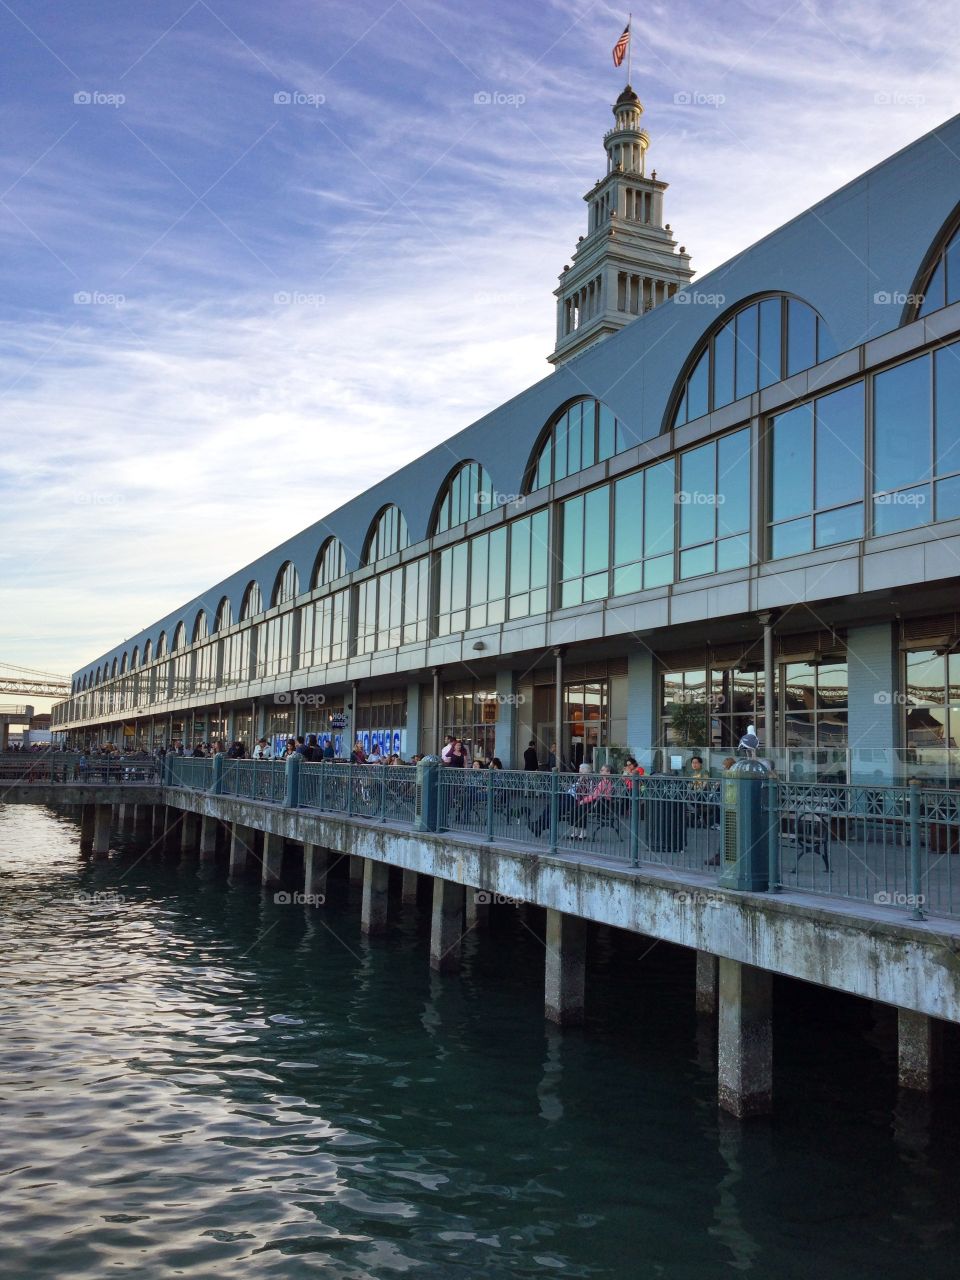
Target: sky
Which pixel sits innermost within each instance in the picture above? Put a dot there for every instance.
(256, 257)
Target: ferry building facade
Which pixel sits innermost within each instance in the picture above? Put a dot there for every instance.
(732, 502)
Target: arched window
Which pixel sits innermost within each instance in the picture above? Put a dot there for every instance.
(939, 280)
(252, 602)
(287, 585)
(466, 493)
(761, 343)
(331, 563)
(224, 617)
(162, 645)
(387, 534)
(83, 684)
(99, 676)
(179, 637)
(135, 658)
(581, 434)
(200, 626)
(123, 664)
(148, 652)
(113, 670)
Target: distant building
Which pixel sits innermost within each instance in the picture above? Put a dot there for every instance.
(727, 496)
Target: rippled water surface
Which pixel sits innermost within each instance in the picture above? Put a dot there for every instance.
(197, 1081)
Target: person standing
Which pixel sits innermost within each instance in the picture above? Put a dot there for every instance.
(530, 761)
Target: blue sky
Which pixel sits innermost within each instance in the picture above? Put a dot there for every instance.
(254, 257)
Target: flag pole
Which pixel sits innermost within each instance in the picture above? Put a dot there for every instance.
(629, 45)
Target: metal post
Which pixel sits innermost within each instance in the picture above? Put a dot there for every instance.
(216, 786)
(558, 705)
(353, 711)
(915, 872)
(383, 792)
(769, 696)
(490, 773)
(435, 745)
(635, 820)
(292, 781)
(350, 768)
(323, 784)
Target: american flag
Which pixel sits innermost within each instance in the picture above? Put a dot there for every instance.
(620, 48)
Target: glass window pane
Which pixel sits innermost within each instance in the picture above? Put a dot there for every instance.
(596, 520)
(698, 387)
(790, 539)
(572, 549)
(658, 572)
(574, 417)
(588, 435)
(544, 472)
(792, 463)
(947, 407)
(842, 525)
(902, 510)
(770, 358)
(733, 483)
(627, 579)
(560, 448)
(948, 498)
(539, 544)
(696, 497)
(723, 366)
(926, 676)
(933, 295)
(952, 260)
(801, 336)
(733, 553)
(628, 519)
(607, 434)
(840, 447)
(658, 509)
(571, 593)
(696, 561)
(497, 583)
(595, 586)
(520, 555)
(902, 444)
(479, 560)
(746, 329)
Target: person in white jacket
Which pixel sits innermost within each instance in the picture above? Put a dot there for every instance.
(262, 750)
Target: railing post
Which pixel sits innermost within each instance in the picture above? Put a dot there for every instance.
(292, 795)
(773, 836)
(216, 785)
(554, 810)
(635, 820)
(350, 768)
(323, 784)
(383, 793)
(490, 773)
(165, 779)
(915, 872)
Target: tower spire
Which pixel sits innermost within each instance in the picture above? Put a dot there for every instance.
(628, 261)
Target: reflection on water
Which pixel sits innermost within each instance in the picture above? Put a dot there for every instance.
(198, 1081)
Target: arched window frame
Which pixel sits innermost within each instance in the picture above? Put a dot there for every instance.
(939, 274)
(200, 628)
(286, 585)
(466, 492)
(179, 637)
(135, 658)
(162, 645)
(608, 437)
(224, 615)
(147, 652)
(330, 564)
(388, 533)
(252, 601)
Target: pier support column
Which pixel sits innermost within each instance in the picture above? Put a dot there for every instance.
(408, 888)
(208, 838)
(189, 834)
(101, 830)
(241, 847)
(918, 1050)
(272, 859)
(745, 1039)
(88, 816)
(566, 943)
(315, 864)
(477, 914)
(446, 929)
(356, 869)
(171, 825)
(708, 967)
(373, 911)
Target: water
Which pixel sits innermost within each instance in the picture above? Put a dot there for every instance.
(198, 1082)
